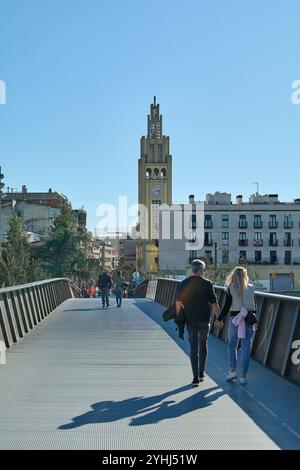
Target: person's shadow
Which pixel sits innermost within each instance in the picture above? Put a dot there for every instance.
(154, 409)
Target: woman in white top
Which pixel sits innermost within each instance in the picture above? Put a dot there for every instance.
(240, 300)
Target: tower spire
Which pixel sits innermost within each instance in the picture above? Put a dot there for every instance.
(154, 100)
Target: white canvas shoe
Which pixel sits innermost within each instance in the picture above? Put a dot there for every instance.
(231, 376)
(243, 381)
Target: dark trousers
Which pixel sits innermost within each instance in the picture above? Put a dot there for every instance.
(105, 295)
(198, 334)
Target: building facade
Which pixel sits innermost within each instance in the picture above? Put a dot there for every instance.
(262, 233)
(105, 253)
(154, 187)
(36, 209)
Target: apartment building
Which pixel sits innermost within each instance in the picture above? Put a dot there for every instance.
(262, 233)
(105, 253)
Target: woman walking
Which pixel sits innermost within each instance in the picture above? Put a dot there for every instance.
(119, 286)
(240, 301)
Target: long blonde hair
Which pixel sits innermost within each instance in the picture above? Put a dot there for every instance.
(239, 279)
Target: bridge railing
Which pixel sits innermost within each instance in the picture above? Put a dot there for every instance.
(276, 343)
(23, 307)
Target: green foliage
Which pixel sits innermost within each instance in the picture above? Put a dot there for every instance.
(15, 255)
(66, 249)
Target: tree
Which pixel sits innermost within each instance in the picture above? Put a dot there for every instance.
(15, 255)
(66, 249)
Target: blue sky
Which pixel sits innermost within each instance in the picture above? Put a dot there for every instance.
(81, 75)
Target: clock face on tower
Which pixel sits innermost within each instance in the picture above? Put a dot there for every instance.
(156, 191)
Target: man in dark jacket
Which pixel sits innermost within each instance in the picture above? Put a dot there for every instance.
(105, 284)
(196, 295)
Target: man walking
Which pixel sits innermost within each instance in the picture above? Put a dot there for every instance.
(105, 284)
(196, 295)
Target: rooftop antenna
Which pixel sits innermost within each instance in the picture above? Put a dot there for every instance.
(257, 188)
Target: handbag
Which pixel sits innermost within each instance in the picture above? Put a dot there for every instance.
(251, 318)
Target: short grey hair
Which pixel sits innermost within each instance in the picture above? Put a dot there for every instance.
(198, 265)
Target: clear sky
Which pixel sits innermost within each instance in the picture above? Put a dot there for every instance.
(80, 76)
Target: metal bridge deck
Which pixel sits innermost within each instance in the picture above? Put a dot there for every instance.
(88, 378)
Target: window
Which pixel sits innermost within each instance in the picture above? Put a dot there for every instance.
(287, 257)
(257, 256)
(152, 150)
(243, 257)
(225, 256)
(156, 173)
(288, 223)
(208, 239)
(273, 239)
(257, 221)
(207, 221)
(192, 255)
(194, 221)
(288, 239)
(273, 257)
(192, 238)
(225, 238)
(273, 222)
(243, 239)
(243, 222)
(225, 221)
(208, 255)
(258, 241)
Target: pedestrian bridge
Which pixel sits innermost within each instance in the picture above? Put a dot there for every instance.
(88, 378)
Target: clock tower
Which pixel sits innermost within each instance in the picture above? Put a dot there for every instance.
(155, 185)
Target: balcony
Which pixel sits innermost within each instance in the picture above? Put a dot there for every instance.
(273, 242)
(274, 260)
(243, 224)
(258, 242)
(208, 224)
(208, 243)
(258, 225)
(243, 242)
(288, 225)
(273, 224)
(288, 242)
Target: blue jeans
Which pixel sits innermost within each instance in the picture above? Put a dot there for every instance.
(245, 346)
(119, 296)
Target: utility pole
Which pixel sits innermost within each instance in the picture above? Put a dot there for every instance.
(1, 194)
(216, 255)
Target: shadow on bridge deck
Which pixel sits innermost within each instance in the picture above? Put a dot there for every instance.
(89, 378)
(269, 400)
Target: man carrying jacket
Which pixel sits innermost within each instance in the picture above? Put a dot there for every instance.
(196, 295)
(105, 284)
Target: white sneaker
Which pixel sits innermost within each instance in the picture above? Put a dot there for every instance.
(231, 376)
(243, 381)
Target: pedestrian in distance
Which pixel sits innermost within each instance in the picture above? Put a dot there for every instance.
(92, 290)
(119, 284)
(240, 301)
(196, 295)
(105, 284)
